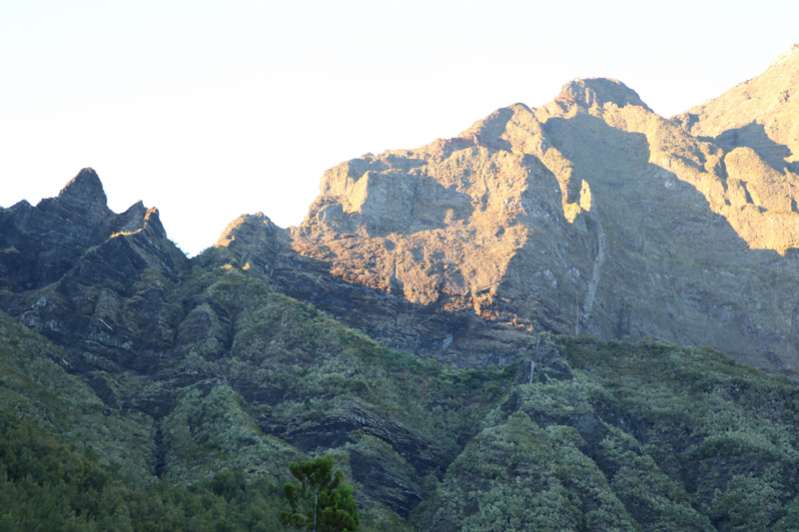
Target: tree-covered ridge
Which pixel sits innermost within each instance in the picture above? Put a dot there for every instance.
(288, 382)
(634, 436)
(575, 435)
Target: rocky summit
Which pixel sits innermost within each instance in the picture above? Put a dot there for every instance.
(589, 215)
(573, 317)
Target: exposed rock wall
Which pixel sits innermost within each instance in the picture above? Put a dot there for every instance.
(591, 214)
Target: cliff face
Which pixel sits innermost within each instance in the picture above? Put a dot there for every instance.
(591, 214)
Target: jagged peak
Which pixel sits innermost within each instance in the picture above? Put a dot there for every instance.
(152, 220)
(138, 219)
(85, 187)
(137, 210)
(587, 92)
(520, 107)
(131, 219)
(257, 218)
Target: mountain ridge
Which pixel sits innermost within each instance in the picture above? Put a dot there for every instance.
(226, 362)
(479, 331)
(527, 219)
(448, 224)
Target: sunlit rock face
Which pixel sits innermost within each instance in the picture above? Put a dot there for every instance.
(591, 214)
(756, 124)
(442, 224)
(760, 113)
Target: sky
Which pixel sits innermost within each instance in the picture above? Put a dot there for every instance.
(211, 109)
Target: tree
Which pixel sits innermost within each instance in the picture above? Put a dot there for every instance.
(320, 500)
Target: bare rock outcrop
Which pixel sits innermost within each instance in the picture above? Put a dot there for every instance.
(88, 278)
(591, 214)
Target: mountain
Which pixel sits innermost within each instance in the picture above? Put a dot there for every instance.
(590, 215)
(480, 331)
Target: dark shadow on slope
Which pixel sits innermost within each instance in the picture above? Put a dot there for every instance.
(674, 269)
(754, 136)
(492, 128)
(459, 338)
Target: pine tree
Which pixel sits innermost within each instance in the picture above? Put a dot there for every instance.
(320, 500)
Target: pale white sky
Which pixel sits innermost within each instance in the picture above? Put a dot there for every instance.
(209, 109)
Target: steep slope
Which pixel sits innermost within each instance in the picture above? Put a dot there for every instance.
(591, 214)
(690, 256)
(90, 279)
(41, 244)
(626, 436)
(36, 386)
(254, 244)
(759, 114)
(597, 436)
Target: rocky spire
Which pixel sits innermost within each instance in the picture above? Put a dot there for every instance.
(152, 220)
(85, 188)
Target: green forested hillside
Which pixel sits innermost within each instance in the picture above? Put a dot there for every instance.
(575, 435)
(638, 436)
(46, 485)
